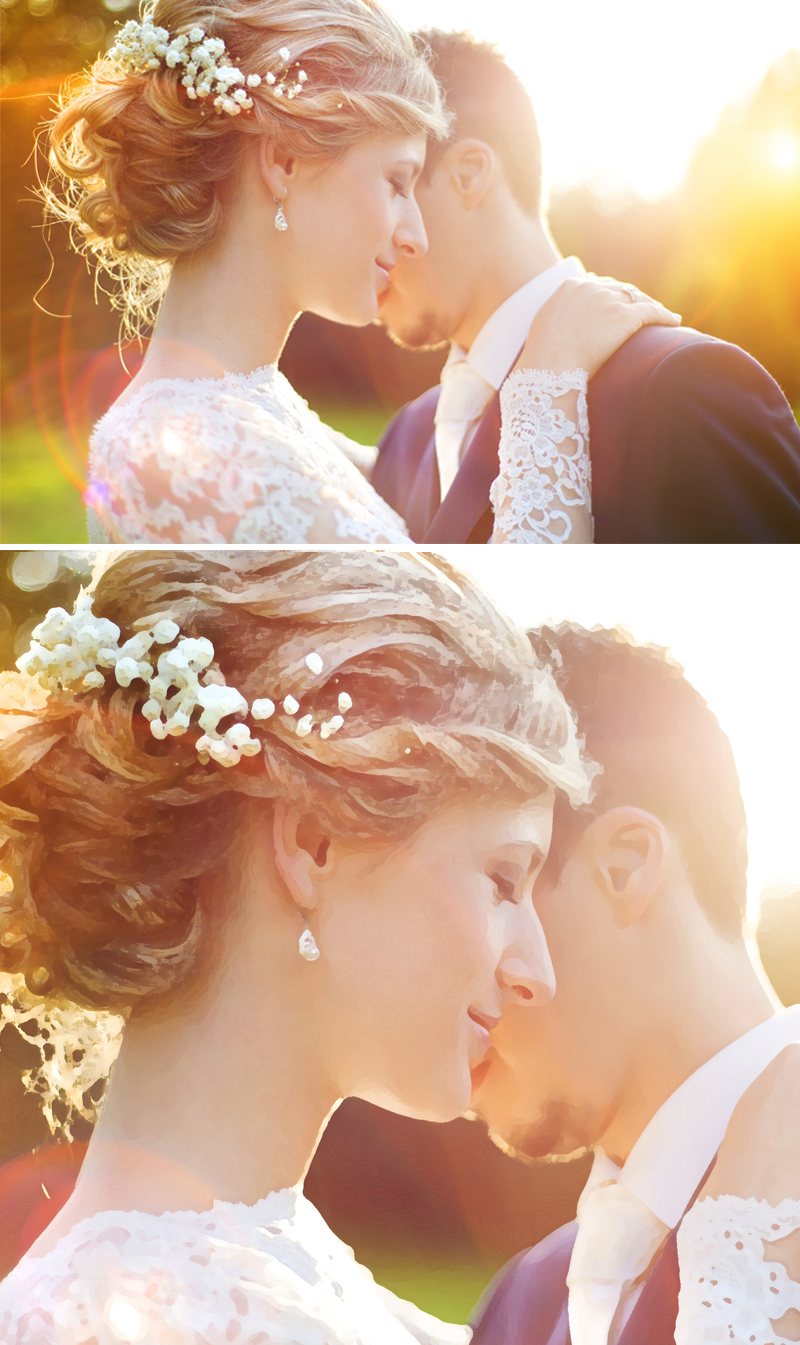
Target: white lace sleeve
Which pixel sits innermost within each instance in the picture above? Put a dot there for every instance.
(544, 490)
(362, 455)
(227, 460)
(734, 1286)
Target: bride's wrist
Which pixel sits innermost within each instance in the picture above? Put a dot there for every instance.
(557, 362)
(555, 369)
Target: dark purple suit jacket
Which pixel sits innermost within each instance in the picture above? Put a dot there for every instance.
(526, 1303)
(691, 441)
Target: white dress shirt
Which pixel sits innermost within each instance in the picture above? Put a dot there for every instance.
(497, 346)
(668, 1161)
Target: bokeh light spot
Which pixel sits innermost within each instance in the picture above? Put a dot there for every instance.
(172, 443)
(34, 570)
(783, 150)
(125, 1319)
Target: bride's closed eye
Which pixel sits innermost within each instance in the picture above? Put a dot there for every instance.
(401, 188)
(506, 885)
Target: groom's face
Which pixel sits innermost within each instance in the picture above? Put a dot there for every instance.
(427, 296)
(556, 1073)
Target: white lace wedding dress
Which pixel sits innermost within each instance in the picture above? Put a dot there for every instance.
(241, 459)
(734, 1285)
(267, 1274)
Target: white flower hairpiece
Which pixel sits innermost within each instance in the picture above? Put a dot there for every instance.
(67, 653)
(208, 69)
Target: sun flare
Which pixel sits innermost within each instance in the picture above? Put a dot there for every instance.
(783, 150)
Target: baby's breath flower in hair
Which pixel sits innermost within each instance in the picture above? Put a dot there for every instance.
(67, 653)
(207, 67)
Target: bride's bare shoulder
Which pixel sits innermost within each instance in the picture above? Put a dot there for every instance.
(760, 1155)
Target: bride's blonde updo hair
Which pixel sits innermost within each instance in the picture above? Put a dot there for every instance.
(107, 829)
(136, 164)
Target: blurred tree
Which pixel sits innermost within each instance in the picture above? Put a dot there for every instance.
(724, 249)
(736, 270)
(44, 40)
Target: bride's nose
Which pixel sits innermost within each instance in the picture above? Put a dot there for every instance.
(525, 973)
(410, 236)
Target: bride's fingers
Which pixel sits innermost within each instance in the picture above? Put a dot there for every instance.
(631, 294)
(649, 312)
(585, 321)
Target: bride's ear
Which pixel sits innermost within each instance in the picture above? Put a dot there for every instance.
(302, 853)
(277, 168)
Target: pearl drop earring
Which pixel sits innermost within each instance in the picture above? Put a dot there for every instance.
(281, 222)
(307, 947)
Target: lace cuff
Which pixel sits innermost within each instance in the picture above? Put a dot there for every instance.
(734, 1286)
(544, 490)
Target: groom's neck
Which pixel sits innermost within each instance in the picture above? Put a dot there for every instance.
(509, 250)
(708, 999)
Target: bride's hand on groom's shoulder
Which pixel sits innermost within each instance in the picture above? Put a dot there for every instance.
(585, 321)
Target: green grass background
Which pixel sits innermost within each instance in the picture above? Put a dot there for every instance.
(447, 1290)
(39, 504)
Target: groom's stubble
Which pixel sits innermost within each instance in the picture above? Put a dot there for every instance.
(424, 332)
(552, 1138)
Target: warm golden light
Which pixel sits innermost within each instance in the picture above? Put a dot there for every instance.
(621, 95)
(728, 617)
(783, 150)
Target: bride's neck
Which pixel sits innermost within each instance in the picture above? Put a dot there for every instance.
(228, 308)
(222, 1094)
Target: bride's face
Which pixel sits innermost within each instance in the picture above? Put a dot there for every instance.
(350, 222)
(423, 944)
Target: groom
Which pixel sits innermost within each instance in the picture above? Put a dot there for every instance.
(659, 1025)
(691, 440)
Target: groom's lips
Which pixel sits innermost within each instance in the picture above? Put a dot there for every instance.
(478, 1073)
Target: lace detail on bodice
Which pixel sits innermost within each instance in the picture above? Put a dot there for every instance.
(733, 1285)
(268, 1274)
(544, 489)
(239, 459)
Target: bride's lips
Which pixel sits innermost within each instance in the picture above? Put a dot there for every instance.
(482, 1024)
(383, 270)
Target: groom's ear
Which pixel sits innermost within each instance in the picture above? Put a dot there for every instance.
(629, 851)
(302, 854)
(472, 167)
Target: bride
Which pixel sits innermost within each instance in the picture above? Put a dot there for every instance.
(231, 166)
(285, 810)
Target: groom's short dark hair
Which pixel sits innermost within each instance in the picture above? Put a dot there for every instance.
(489, 102)
(661, 749)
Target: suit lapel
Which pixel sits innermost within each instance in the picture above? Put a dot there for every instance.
(467, 501)
(423, 498)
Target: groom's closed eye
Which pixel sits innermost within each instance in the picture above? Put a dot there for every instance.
(511, 879)
(505, 886)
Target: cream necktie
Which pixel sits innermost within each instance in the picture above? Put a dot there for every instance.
(618, 1236)
(464, 397)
